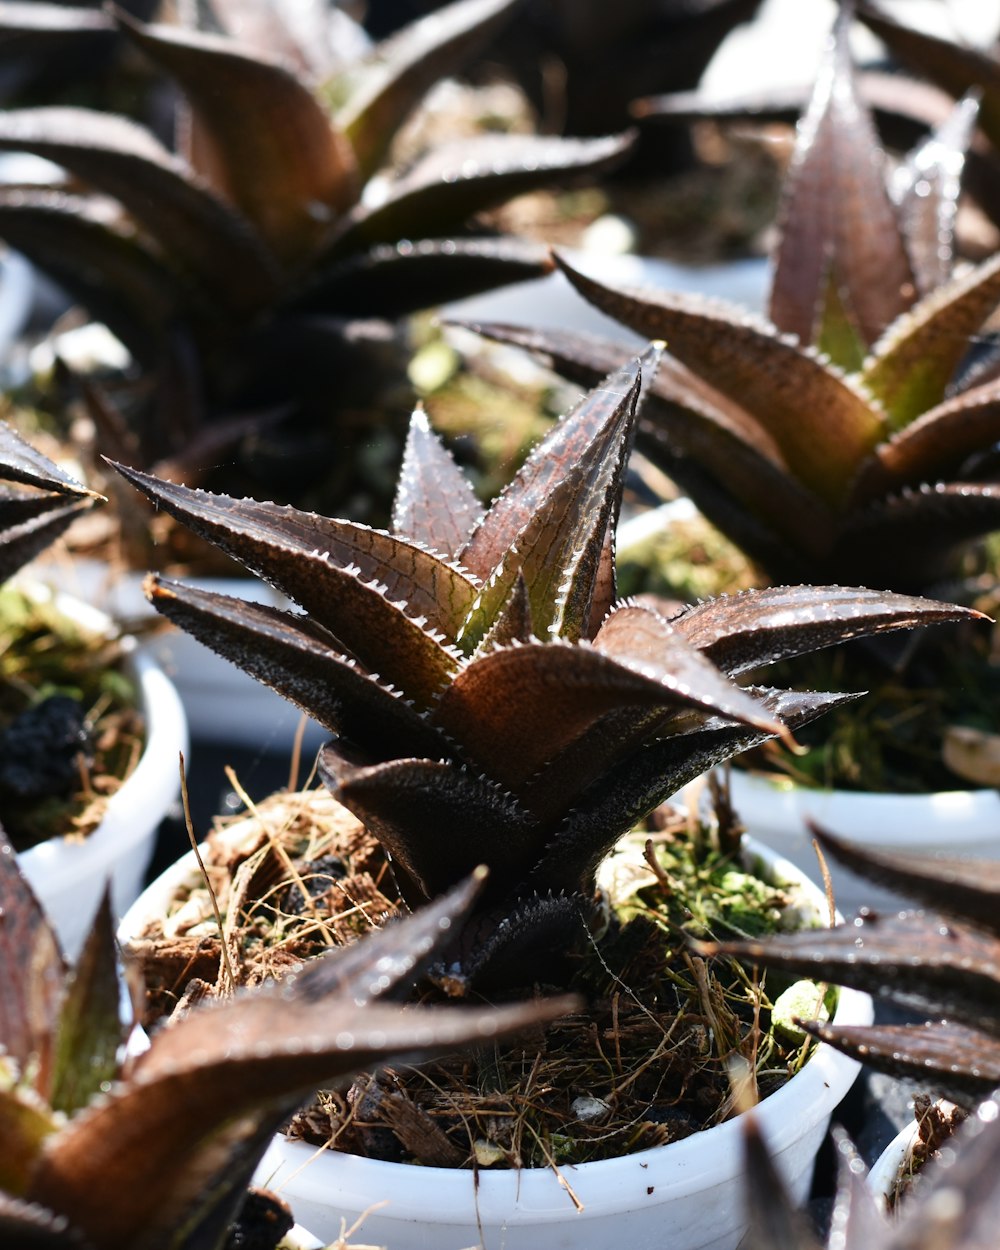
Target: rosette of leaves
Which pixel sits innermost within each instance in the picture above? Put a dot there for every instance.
(157, 1154)
(845, 438)
(944, 960)
(955, 1208)
(492, 701)
(255, 269)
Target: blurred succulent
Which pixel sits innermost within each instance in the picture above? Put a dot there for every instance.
(846, 439)
(158, 1154)
(956, 1207)
(480, 674)
(32, 518)
(945, 960)
(253, 266)
(582, 61)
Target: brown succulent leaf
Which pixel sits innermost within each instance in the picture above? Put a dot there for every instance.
(298, 37)
(921, 961)
(581, 431)
(916, 532)
(770, 376)
(29, 1226)
(23, 539)
(614, 802)
(926, 190)
(20, 462)
(121, 159)
(916, 358)
(962, 1064)
(957, 68)
(935, 444)
(404, 67)
(383, 968)
(463, 177)
(435, 504)
(754, 627)
(517, 708)
(89, 1030)
(243, 1063)
(393, 279)
(437, 820)
(34, 971)
(348, 576)
(836, 217)
(25, 1123)
(284, 651)
(965, 888)
(774, 1222)
(108, 268)
(292, 177)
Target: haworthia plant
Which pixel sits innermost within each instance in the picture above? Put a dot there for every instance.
(247, 266)
(157, 1155)
(839, 439)
(492, 699)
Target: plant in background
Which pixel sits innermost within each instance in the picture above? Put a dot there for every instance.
(943, 960)
(480, 675)
(955, 1208)
(157, 1155)
(253, 273)
(846, 439)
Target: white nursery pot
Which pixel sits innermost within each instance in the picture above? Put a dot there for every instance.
(686, 1196)
(69, 875)
(888, 1167)
(222, 702)
(949, 823)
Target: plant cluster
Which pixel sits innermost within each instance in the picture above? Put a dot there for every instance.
(254, 271)
(492, 700)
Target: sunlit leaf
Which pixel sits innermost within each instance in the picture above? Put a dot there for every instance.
(435, 504)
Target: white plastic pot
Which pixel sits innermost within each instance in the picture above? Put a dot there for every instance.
(687, 1195)
(69, 875)
(222, 702)
(889, 1167)
(949, 823)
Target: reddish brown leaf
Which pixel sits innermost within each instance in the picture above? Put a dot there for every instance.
(435, 504)
(292, 176)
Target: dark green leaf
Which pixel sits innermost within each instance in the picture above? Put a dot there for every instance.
(89, 1031)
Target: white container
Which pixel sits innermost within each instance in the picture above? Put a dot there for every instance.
(949, 823)
(69, 875)
(888, 1168)
(687, 1195)
(222, 702)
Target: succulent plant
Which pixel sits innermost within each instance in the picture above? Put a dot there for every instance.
(32, 518)
(943, 960)
(158, 1154)
(955, 1208)
(492, 700)
(255, 267)
(845, 439)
